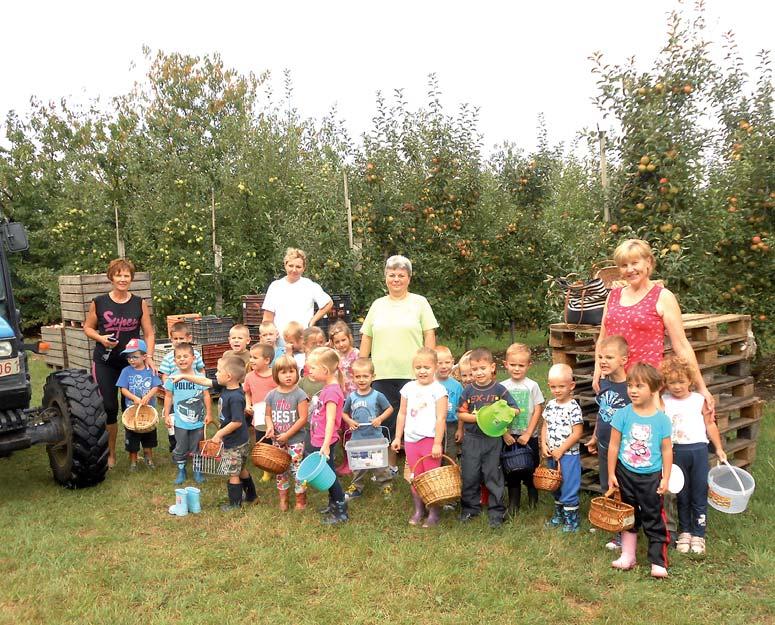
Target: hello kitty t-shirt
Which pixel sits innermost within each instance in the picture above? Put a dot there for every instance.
(641, 447)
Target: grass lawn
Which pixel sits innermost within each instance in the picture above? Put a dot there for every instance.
(113, 554)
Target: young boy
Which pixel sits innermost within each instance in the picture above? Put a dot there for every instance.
(293, 335)
(268, 335)
(524, 430)
(258, 383)
(234, 430)
(562, 429)
(364, 412)
(179, 333)
(139, 385)
(452, 440)
(187, 409)
(481, 453)
(239, 339)
(612, 356)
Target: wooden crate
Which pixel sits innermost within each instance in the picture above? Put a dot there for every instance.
(56, 356)
(77, 292)
(80, 348)
(186, 317)
(251, 309)
(211, 353)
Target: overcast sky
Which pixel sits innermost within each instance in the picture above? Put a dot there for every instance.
(513, 60)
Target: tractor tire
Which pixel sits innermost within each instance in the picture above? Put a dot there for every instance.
(81, 459)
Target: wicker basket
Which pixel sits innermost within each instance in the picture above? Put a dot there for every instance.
(545, 478)
(610, 514)
(438, 486)
(270, 458)
(140, 419)
(209, 448)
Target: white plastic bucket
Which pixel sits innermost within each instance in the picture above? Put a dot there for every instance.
(367, 453)
(729, 488)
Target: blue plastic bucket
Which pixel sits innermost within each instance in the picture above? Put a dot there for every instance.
(314, 470)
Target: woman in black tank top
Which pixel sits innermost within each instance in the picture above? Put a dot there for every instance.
(112, 321)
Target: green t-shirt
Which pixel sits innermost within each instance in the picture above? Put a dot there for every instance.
(396, 329)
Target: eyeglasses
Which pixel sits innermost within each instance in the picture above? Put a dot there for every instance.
(135, 357)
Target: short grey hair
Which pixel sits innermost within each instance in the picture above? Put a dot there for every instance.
(399, 262)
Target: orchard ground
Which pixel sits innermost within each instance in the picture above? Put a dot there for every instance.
(113, 554)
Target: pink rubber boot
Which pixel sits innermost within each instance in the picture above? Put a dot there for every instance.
(419, 509)
(626, 561)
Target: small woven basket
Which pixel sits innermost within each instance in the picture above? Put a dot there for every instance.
(438, 486)
(517, 458)
(209, 448)
(140, 419)
(545, 478)
(270, 458)
(610, 513)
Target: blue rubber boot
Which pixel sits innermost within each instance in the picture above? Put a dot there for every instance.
(198, 477)
(558, 518)
(181, 477)
(572, 522)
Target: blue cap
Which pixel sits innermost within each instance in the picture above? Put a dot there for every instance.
(135, 345)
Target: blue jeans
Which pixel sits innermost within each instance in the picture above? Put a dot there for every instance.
(335, 492)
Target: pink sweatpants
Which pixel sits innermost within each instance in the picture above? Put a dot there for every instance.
(415, 451)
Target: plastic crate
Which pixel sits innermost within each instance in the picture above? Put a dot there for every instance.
(367, 453)
(211, 329)
(211, 354)
(188, 318)
(252, 312)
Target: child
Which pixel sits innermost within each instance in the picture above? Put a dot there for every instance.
(342, 341)
(481, 453)
(286, 417)
(310, 339)
(325, 423)
(364, 412)
(179, 333)
(192, 409)
(268, 335)
(422, 423)
(454, 393)
(560, 435)
(524, 430)
(639, 460)
(139, 385)
(233, 432)
(293, 335)
(239, 339)
(691, 431)
(462, 372)
(612, 356)
(258, 382)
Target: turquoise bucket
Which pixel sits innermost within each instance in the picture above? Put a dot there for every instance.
(314, 470)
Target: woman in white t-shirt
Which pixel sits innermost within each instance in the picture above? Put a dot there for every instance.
(293, 297)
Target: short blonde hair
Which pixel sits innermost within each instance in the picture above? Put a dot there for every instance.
(293, 331)
(618, 342)
(443, 350)
(429, 352)
(634, 247)
(267, 326)
(295, 252)
(363, 364)
(239, 327)
(518, 348)
(560, 371)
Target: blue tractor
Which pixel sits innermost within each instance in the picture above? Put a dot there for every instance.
(71, 422)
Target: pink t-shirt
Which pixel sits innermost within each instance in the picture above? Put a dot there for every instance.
(317, 428)
(346, 367)
(258, 386)
(640, 324)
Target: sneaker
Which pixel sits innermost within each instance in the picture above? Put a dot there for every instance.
(495, 523)
(133, 467)
(684, 542)
(150, 464)
(449, 506)
(394, 471)
(352, 492)
(467, 517)
(697, 545)
(387, 490)
(659, 572)
(615, 544)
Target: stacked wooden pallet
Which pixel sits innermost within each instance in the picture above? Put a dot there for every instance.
(722, 346)
(56, 355)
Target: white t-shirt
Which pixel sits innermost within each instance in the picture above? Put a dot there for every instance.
(527, 395)
(294, 301)
(686, 417)
(421, 409)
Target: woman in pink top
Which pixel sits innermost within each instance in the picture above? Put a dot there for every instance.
(641, 312)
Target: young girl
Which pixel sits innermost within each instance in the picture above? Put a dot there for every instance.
(286, 418)
(310, 339)
(422, 421)
(691, 432)
(342, 341)
(258, 382)
(326, 421)
(640, 455)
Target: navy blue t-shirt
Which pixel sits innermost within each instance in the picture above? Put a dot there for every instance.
(612, 397)
(231, 409)
(475, 397)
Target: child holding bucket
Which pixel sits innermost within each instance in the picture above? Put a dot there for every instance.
(325, 423)
(640, 456)
(365, 409)
(691, 431)
(422, 422)
(286, 417)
